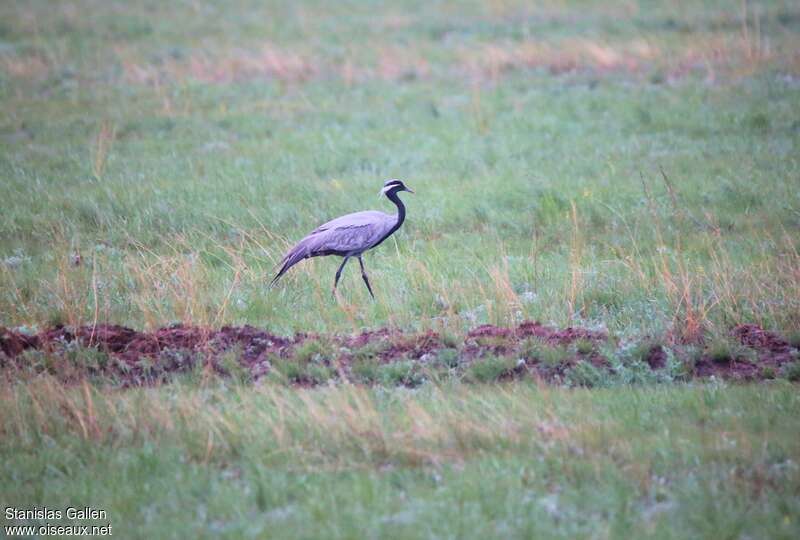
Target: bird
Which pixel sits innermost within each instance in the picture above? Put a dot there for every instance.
(350, 235)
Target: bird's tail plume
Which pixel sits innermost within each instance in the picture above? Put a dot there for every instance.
(294, 256)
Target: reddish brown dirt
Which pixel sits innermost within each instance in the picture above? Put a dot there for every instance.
(488, 340)
(13, 343)
(150, 357)
(554, 335)
(537, 330)
(365, 338)
(389, 345)
(772, 352)
(656, 357)
(413, 346)
(754, 337)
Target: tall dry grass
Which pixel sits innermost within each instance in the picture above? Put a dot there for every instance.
(338, 426)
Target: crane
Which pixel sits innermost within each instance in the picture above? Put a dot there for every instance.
(350, 235)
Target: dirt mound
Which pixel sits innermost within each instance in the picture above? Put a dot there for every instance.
(770, 353)
(554, 335)
(175, 347)
(412, 346)
(538, 330)
(656, 357)
(138, 357)
(755, 337)
(13, 343)
(497, 340)
(255, 344)
(365, 338)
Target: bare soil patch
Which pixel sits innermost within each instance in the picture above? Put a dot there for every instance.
(772, 352)
(136, 357)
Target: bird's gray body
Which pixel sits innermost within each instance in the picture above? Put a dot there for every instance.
(350, 235)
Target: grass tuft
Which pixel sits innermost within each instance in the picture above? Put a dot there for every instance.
(550, 356)
(492, 369)
(723, 350)
(448, 358)
(586, 375)
(792, 371)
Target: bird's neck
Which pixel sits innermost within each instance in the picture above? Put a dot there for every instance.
(401, 209)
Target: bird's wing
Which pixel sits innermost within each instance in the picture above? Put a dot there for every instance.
(351, 233)
(367, 217)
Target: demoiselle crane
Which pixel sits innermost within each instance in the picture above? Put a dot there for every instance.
(350, 236)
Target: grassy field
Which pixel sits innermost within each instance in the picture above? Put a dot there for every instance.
(626, 167)
(512, 461)
(179, 150)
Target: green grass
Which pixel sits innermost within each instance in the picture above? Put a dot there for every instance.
(550, 355)
(491, 369)
(630, 166)
(181, 159)
(311, 364)
(724, 350)
(792, 371)
(515, 460)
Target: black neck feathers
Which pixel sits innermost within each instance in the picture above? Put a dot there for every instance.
(401, 209)
(401, 214)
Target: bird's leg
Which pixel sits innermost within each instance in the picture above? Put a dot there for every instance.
(364, 275)
(339, 274)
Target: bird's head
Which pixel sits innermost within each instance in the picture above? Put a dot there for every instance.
(394, 186)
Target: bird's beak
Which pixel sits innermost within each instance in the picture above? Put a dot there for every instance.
(410, 190)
